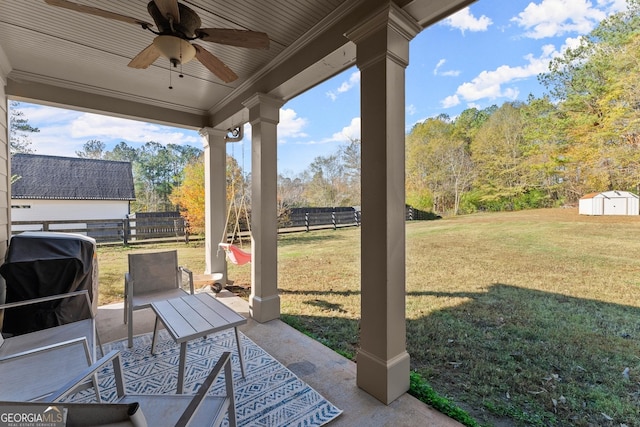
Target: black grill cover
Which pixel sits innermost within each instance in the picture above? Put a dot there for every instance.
(41, 264)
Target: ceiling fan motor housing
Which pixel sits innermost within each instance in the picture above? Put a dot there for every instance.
(186, 28)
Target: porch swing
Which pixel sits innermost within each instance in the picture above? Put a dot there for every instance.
(236, 255)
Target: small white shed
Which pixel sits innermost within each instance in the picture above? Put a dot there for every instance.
(609, 203)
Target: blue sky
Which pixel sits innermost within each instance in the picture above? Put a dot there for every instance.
(486, 54)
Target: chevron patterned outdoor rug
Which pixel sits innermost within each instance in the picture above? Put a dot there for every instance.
(269, 396)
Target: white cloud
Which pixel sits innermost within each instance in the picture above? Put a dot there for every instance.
(95, 126)
(63, 132)
(290, 126)
(437, 72)
(571, 42)
(493, 84)
(51, 141)
(614, 6)
(410, 109)
(464, 20)
(552, 18)
(354, 80)
(348, 133)
(45, 115)
(450, 101)
(450, 73)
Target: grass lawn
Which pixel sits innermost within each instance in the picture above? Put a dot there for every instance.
(521, 318)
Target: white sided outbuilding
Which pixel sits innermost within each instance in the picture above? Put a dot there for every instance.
(609, 203)
(54, 188)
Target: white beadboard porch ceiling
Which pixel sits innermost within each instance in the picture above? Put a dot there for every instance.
(65, 58)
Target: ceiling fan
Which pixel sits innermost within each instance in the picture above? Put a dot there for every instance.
(178, 25)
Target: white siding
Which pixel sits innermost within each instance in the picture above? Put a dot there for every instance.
(52, 210)
(590, 206)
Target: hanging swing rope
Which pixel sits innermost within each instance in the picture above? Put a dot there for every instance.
(234, 254)
(242, 209)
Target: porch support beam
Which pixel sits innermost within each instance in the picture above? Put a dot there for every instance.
(264, 115)
(382, 49)
(215, 198)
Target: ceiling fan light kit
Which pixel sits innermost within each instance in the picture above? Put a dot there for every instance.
(176, 50)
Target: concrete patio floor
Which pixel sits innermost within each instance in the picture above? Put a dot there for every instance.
(327, 372)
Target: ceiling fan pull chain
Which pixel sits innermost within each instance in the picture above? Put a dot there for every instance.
(170, 85)
(181, 61)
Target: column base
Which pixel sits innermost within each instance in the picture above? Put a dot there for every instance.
(264, 309)
(384, 380)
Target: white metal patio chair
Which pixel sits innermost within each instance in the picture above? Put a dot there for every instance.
(35, 374)
(154, 276)
(156, 409)
(83, 328)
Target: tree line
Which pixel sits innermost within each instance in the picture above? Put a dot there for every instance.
(582, 136)
(332, 180)
(157, 169)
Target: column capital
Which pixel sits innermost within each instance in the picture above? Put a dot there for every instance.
(385, 34)
(211, 135)
(262, 98)
(264, 107)
(209, 131)
(391, 16)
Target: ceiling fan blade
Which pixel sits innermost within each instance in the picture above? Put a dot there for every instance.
(97, 12)
(215, 65)
(145, 58)
(169, 8)
(240, 38)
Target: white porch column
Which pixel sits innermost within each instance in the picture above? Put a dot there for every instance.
(215, 198)
(382, 56)
(5, 170)
(264, 114)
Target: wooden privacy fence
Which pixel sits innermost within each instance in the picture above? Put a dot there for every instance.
(149, 227)
(124, 230)
(308, 219)
(335, 217)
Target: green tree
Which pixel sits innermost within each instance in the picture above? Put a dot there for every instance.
(19, 130)
(543, 148)
(290, 193)
(157, 170)
(439, 167)
(154, 178)
(498, 151)
(596, 86)
(350, 156)
(189, 196)
(325, 184)
(123, 153)
(418, 192)
(92, 149)
(467, 124)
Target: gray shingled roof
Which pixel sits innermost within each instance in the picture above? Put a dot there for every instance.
(52, 177)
